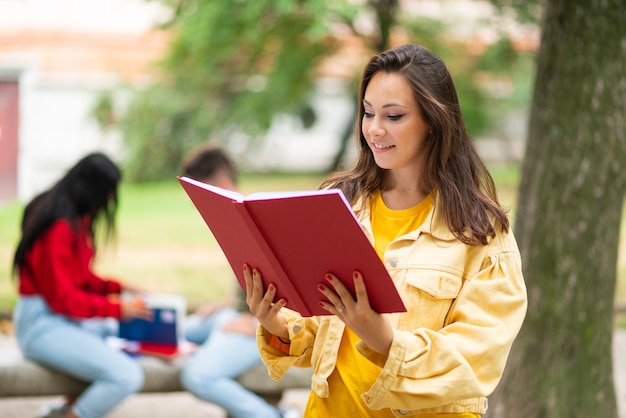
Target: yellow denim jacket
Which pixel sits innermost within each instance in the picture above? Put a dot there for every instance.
(465, 306)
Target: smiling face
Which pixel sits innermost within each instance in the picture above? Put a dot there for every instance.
(392, 123)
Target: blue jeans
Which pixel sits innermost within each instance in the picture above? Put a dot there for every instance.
(211, 371)
(78, 349)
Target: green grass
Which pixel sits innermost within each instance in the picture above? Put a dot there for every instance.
(507, 180)
(9, 223)
(163, 245)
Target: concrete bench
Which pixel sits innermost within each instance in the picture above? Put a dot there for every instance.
(20, 377)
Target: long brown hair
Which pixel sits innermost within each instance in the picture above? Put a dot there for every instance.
(466, 191)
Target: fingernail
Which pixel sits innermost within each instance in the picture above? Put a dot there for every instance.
(329, 277)
(355, 275)
(321, 287)
(245, 268)
(270, 287)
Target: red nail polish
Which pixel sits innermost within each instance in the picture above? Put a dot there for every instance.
(355, 275)
(245, 268)
(321, 287)
(329, 277)
(321, 304)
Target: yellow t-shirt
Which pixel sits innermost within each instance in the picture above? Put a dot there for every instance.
(354, 374)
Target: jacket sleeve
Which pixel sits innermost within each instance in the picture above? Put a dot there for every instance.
(59, 273)
(302, 333)
(466, 358)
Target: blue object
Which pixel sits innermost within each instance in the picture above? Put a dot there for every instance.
(161, 330)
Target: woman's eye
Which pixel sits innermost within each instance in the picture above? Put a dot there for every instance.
(395, 117)
(368, 115)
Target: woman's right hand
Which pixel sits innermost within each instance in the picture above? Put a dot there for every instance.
(262, 304)
(135, 308)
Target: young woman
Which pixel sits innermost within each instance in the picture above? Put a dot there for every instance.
(429, 206)
(62, 301)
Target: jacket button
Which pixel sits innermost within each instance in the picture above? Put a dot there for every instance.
(296, 329)
(403, 412)
(393, 262)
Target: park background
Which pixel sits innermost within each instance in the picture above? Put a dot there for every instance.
(77, 66)
(71, 59)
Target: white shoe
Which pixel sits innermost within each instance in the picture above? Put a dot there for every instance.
(57, 409)
(290, 412)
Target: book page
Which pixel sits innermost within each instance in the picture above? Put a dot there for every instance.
(299, 193)
(238, 197)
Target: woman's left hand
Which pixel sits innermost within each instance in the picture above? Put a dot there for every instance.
(373, 328)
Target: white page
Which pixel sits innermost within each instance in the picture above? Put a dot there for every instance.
(238, 197)
(231, 194)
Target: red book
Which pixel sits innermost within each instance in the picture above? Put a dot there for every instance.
(294, 239)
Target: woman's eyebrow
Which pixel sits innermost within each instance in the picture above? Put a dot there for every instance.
(386, 105)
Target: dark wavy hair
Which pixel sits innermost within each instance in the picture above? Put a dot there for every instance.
(466, 191)
(88, 190)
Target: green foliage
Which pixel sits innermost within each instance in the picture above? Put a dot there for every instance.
(528, 11)
(230, 68)
(235, 60)
(161, 125)
(475, 75)
(102, 111)
(499, 58)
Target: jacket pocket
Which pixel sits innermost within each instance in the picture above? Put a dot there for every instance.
(430, 296)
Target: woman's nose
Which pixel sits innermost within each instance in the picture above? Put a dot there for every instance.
(375, 129)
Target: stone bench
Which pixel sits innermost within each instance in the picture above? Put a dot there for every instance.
(20, 377)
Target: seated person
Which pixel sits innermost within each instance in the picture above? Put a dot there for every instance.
(64, 308)
(225, 331)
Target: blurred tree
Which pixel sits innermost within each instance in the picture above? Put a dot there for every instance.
(474, 73)
(229, 69)
(232, 67)
(568, 219)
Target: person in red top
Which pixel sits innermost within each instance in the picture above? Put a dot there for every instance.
(63, 306)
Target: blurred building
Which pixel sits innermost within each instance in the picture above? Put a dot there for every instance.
(55, 57)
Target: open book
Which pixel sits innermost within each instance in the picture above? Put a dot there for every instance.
(163, 335)
(294, 239)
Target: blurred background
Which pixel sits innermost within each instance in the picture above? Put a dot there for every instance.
(274, 82)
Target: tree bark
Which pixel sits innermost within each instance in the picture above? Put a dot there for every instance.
(568, 218)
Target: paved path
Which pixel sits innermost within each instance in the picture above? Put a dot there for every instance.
(178, 405)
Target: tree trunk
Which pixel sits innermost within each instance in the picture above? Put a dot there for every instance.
(568, 219)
